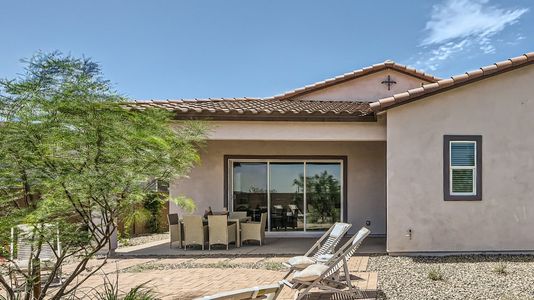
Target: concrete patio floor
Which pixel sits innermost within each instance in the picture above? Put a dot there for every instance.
(272, 247)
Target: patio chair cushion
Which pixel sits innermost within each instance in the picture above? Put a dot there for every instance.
(311, 272)
(338, 230)
(301, 262)
(324, 258)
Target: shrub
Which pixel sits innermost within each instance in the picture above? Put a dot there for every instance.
(435, 274)
(500, 268)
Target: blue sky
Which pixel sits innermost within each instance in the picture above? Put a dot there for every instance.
(198, 49)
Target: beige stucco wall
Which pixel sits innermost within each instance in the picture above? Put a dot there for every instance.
(501, 109)
(366, 194)
(298, 131)
(366, 88)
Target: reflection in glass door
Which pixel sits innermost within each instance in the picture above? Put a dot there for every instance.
(287, 196)
(297, 195)
(250, 188)
(323, 195)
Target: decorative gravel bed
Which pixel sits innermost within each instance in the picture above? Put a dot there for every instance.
(273, 266)
(455, 277)
(143, 239)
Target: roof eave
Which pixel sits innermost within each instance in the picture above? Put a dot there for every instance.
(277, 117)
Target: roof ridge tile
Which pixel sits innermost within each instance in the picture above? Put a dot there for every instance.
(454, 81)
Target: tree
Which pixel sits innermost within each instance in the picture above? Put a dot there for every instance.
(72, 155)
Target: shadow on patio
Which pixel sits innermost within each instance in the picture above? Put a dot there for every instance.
(272, 247)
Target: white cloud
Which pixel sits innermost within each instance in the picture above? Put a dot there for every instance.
(456, 19)
(459, 25)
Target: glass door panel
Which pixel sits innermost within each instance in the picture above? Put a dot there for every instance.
(287, 196)
(249, 191)
(323, 195)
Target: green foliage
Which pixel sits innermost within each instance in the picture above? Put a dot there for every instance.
(154, 203)
(110, 291)
(435, 274)
(323, 192)
(501, 268)
(73, 154)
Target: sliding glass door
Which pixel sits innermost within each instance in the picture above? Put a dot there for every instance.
(287, 195)
(297, 195)
(250, 188)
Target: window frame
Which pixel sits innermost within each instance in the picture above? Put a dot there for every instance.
(228, 159)
(448, 195)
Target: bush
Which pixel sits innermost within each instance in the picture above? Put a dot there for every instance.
(435, 274)
(500, 268)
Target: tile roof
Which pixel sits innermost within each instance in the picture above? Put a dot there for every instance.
(453, 82)
(388, 64)
(261, 109)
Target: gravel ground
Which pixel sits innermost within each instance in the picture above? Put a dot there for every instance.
(143, 239)
(463, 277)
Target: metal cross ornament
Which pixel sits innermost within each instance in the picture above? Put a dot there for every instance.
(389, 82)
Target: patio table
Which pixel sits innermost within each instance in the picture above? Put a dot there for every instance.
(205, 222)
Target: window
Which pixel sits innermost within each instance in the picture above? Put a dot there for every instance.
(462, 167)
(298, 193)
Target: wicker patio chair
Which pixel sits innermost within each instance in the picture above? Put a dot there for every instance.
(175, 234)
(195, 233)
(237, 215)
(220, 233)
(254, 231)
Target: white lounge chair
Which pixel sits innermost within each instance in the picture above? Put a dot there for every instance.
(326, 276)
(24, 248)
(322, 250)
(267, 292)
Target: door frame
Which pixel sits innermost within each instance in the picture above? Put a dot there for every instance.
(284, 158)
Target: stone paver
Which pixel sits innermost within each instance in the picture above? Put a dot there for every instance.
(358, 263)
(189, 283)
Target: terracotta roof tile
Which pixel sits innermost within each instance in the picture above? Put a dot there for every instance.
(388, 64)
(444, 83)
(518, 59)
(454, 81)
(489, 69)
(225, 107)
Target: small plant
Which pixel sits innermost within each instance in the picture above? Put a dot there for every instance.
(500, 268)
(435, 274)
(273, 266)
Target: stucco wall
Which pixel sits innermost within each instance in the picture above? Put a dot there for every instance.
(501, 109)
(366, 187)
(366, 88)
(298, 131)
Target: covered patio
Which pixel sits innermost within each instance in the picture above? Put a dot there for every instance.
(273, 247)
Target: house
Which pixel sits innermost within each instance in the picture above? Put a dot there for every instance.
(434, 165)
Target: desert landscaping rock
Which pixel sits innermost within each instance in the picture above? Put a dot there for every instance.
(464, 277)
(143, 239)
